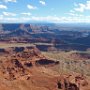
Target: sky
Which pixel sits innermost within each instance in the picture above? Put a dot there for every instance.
(55, 11)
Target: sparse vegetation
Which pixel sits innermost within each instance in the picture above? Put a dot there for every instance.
(70, 62)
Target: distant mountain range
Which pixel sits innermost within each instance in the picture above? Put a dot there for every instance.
(46, 33)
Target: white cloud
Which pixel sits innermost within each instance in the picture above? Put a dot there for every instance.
(10, 1)
(1, 16)
(71, 14)
(42, 2)
(82, 7)
(72, 11)
(9, 14)
(31, 6)
(88, 5)
(3, 7)
(28, 14)
(55, 19)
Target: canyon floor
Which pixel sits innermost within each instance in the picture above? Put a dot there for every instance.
(25, 67)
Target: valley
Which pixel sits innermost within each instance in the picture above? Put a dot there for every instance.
(29, 69)
(48, 57)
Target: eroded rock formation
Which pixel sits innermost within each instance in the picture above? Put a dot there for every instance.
(25, 68)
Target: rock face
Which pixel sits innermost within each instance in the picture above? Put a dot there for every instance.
(18, 60)
(25, 68)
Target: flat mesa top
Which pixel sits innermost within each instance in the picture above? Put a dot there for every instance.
(6, 45)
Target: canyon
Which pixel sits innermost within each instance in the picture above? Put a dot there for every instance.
(26, 68)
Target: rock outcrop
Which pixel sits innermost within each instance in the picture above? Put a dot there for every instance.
(18, 61)
(25, 68)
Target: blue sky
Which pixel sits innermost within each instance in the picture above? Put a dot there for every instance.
(58, 11)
